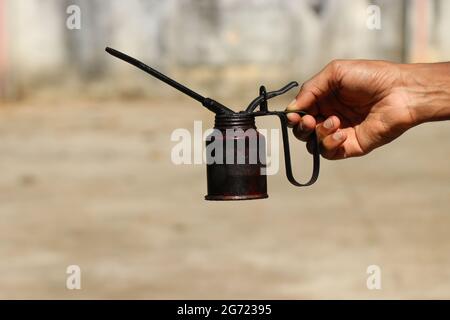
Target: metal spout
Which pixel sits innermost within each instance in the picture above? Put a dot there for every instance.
(208, 103)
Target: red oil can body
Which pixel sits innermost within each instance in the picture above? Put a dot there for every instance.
(236, 163)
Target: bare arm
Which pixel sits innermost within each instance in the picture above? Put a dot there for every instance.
(356, 106)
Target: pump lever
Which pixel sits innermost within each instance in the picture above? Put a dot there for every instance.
(264, 96)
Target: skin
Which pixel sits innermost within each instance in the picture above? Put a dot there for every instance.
(356, 106)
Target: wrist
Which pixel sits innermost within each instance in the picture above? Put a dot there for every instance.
(428, 89)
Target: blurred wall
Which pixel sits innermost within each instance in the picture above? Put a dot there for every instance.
(224, 47)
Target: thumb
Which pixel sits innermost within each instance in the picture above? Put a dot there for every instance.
(316, 88)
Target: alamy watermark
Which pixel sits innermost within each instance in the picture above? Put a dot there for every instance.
(373, 281)
(230, 146)
(373, 20)
(73, 21)
(73, 281)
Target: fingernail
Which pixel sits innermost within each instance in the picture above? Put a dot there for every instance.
(338, 136)
(328, 124)
(292, 104)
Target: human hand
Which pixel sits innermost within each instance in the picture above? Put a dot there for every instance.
(356, 106)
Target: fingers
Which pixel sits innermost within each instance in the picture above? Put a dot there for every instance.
(293, 118)
(317, 88)
(304, 128)
(308, 100)
(311, 95)
(327, 127)
(331, 146)
(331, 139)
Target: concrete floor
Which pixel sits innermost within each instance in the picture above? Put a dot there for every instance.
(92, 184)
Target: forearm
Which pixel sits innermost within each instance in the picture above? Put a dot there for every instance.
(428, 87)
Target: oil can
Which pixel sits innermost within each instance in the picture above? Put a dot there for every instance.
(238, 171)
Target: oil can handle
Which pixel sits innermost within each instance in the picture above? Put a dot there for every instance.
(287, 154)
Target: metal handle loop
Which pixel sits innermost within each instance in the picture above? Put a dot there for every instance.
(287, 154)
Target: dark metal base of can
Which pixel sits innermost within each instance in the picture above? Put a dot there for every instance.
(236, 198)
(234, 180)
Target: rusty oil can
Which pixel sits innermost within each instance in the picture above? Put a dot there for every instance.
(238, 180)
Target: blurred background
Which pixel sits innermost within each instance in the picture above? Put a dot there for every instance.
(86, 176)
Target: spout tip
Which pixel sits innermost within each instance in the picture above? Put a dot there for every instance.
(117, 54)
